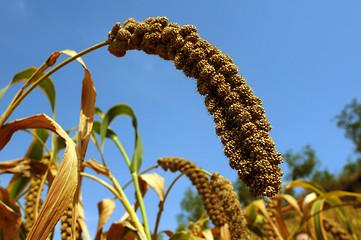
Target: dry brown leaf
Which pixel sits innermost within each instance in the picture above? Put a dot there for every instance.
(156, 182)
(105, 208)
(63, 188)
(97, 167)
(10, 219)
(225, 234)
(24, 167)
(81, 219)
(169, 233)
(117, 229)
(88, 96)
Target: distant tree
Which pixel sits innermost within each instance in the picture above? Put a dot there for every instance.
(350, 120)
(192, 209)
(323, 178)
(302, 164)
(243, 193)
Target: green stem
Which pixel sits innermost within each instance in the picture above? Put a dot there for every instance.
(141, 204)
(130, 209)
(146, 170)
(119, 145)
(161, 205)
(20, 96)
(137, 188)
(118, 192)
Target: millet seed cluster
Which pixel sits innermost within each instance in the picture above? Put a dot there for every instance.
(238, 114)
(200, 181)
(233, 209)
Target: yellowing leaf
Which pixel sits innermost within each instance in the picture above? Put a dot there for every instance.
(207, 233)
(23, 167)
(123, 229)
(63, 188)
(156, 182)
(293, 202)
(97, 167)
(88, 96)
(105, 208)
(225, 234)
(307, 185)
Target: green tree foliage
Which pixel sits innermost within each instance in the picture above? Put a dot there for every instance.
(243, 193)
(192, 209)
(350, 120)
(323, 178)
(302, 164)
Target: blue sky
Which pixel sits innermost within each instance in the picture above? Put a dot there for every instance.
(302, 58)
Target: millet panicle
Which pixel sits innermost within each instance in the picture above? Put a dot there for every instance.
(238, 114)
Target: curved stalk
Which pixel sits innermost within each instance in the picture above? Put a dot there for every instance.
(20, 96)
(141, 204)
(161, 203)
(118, 192)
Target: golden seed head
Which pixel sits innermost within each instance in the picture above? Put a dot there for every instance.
(239, 116)
(233, 209)
(201, 182)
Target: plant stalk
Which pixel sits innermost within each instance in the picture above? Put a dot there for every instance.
(20, 96)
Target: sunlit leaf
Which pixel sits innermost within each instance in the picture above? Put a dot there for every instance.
(97, 167)
(64, 186)
(293, 202)
(23, 167)
(88, 96)
(225, 234)
(118, 110)
(207, 233)
(307, 185)
(156, 182)
(260, 204)
(252, 211)
(105, 209)
(316, 211)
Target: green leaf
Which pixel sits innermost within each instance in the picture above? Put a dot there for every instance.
(98, 112)
(307, 185)
(252, 211)
(118, 110)
(317, 208)
(184, 236)
(47, 86)
(336, 201)
(35, 152)
(96, 129)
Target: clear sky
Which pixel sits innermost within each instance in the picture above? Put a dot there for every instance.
(302, 58)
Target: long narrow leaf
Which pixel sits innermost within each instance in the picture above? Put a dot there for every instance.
(307, 185)
(64, 186)
(118, 110)
(317, 220)
(47, 86)
(35, 152)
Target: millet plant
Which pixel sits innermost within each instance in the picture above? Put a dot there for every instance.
(240, 122)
